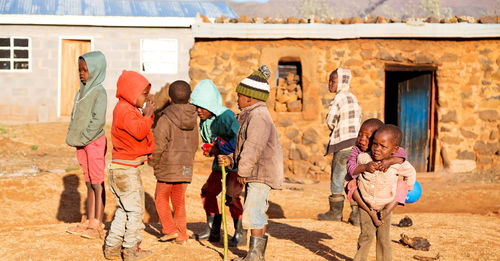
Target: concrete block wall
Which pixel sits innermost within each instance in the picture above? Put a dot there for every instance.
(32, 96)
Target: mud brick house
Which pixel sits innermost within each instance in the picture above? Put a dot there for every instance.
(440, 82)
(40, 42)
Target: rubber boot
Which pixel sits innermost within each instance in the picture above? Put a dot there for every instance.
(206, 233)
(135, 253)
(354, 216)
(240, 234)
(215, 231)
(256, 249)
(336, 202)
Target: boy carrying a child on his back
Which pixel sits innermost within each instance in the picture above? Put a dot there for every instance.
(378, 190)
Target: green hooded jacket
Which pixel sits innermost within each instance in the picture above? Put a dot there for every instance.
(223, 124)
(89, 113)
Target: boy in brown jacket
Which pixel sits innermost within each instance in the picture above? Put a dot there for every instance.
(176, 141)
(258, 157)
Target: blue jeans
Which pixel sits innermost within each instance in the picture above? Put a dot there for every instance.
(339, 170)
(126, 228)
(255, 208)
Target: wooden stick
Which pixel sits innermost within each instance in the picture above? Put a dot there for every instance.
(223, 209)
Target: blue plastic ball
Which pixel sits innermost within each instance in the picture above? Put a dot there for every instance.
(414, 194)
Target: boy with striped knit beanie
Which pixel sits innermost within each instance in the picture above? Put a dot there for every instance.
(258, 157)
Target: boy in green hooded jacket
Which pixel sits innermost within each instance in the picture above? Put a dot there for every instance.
(86, 134)
(218, 130)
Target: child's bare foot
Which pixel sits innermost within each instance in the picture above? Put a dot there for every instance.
(375, 219)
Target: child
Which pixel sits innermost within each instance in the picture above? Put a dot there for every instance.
(176, 141)
(258, 156)
(378, 189)
(132, 144)
(86, 133)
(343, 119)
(218, 129)
(363, 144)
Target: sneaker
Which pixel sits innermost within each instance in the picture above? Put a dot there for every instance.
(136, 253)
(79, 228)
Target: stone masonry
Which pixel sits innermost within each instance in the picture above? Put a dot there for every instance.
(468, 90)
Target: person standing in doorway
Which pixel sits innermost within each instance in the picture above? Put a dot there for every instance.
(343, 119)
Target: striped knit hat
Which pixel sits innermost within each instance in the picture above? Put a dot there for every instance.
(255, 85)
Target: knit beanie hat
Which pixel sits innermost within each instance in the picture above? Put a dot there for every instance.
(255, 85)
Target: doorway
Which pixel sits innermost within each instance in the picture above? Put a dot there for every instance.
(69, 77)
(410, 96)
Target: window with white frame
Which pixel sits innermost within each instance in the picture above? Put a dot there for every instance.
(15, 54)
(159, 56)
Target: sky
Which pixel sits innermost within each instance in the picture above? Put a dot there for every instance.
(241, 1)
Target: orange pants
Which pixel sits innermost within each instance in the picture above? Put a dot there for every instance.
(175, 192)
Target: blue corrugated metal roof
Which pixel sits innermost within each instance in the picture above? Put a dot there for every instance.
(148, 8)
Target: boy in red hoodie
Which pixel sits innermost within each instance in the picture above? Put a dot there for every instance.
(132, 145)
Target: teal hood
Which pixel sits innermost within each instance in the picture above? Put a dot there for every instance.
(206, 96)
(96, 65)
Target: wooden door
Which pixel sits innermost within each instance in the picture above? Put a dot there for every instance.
(70, 78)
(414, 111)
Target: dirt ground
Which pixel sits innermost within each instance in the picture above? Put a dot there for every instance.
(42, 191)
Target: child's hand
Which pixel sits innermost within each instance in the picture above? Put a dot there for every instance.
(214, 151)
(371, 166)
(242, 180)
(223, 160)
(384, 165)
(150, 108)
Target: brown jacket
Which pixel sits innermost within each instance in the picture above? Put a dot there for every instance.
(176, 141)
(258, 155)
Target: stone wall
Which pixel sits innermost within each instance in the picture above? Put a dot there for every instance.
(468, 90)
(33, 96)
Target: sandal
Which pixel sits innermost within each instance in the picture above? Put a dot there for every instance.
(79, 228)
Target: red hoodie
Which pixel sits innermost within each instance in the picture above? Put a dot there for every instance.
(131, 131)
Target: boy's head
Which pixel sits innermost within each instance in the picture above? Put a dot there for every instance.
(179, 92)
(92, 68)
(340, 79)
(245, 101)
(333, 81)
(133, 88)
(84, 71)
(386, 141)
(143, 97)
(254, 86)
(365, 134)
(203, 113)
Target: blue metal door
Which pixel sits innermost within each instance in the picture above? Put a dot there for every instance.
(413, 118)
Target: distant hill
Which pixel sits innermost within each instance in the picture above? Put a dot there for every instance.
(350, 8)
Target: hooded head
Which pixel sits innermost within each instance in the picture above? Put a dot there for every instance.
(96, 66)
(343, 81)
(255, 85)
(130, 85)
(205, 95)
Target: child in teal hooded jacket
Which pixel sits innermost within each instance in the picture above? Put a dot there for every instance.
(86, 134)
(218, 130)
